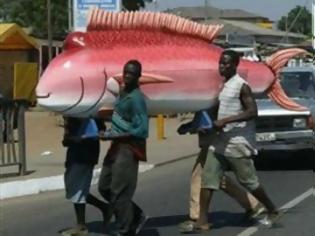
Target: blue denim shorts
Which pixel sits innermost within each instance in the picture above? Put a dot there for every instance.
(78, 179)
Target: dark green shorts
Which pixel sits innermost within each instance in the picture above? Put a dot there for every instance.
(217, 164)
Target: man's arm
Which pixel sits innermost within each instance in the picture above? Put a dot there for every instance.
(250, 108)
(139, 126)
(140, 119)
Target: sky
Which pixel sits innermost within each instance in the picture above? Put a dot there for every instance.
(273, 9)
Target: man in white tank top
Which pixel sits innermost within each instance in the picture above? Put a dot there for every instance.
(252, 206)
(234, 145)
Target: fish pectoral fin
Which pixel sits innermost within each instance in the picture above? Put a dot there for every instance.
(148, 78)
(105, 112)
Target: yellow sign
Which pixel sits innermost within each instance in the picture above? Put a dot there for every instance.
(25, 80)
(266, 25)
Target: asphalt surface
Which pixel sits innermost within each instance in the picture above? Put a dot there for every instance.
(164, 192)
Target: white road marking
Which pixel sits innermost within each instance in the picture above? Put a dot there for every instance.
(35, 186)
(311, 192)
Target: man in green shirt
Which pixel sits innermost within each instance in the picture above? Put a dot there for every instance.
(128, 134)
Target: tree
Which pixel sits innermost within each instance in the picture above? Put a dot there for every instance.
(298, 20)
(134, 5)
(33, 14)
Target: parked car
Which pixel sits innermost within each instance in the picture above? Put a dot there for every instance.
(281, 129)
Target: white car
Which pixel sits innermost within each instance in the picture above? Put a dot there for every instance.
(281, 129)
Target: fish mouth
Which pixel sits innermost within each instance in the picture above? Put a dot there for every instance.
(68, 108)
(82, 94)
(78, 101)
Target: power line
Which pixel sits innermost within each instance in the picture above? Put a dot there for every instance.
(287, 30)
(298, 15)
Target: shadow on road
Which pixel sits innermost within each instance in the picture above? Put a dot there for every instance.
(98, 228)
(219, 219)
(149, 232)
(285, 160)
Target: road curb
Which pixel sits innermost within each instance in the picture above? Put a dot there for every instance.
(38, 185)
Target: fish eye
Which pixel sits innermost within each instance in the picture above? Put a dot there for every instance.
(74, 40)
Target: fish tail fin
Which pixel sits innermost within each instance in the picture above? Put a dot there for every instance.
(276, 62)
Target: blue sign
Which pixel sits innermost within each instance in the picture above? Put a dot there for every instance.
(81, 9)
(105, 4)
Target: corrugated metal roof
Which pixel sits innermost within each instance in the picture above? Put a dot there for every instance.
(307, 43)
(242, 27)
(12, 36)
(239, 13)
(212, 12)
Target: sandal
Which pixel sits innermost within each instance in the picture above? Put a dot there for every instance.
(75, 232)
(271, 218)
(191, 227)
(253, 214)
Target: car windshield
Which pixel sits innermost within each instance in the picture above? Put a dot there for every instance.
(298, 83)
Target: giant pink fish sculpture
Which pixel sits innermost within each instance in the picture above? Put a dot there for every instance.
(180, 66)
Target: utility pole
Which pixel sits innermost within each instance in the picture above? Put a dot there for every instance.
(49, 31)
(286, 29)
(69, 15)
(206, 10)
(313, 24)
(155, 5)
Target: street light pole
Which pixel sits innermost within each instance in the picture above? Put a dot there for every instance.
(286, 29)
(49, 33)
(69, 15)
(313, 24)
(155, 5)
(206, 9)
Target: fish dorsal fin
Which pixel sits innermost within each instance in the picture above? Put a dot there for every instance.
(100, 20)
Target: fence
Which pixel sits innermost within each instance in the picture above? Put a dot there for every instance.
(12, 133)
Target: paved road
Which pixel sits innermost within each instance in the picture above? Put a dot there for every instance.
(163, 193)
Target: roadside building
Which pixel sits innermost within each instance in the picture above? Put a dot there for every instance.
(202, 13)
(18, 57)
(241, 28)
(245, 33)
